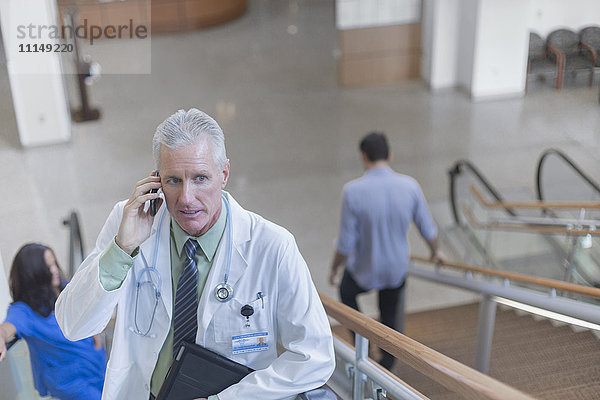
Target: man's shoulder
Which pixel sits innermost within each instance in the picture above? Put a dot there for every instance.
(264, 228)
(393, 177)
(406, 179)
(355, 184)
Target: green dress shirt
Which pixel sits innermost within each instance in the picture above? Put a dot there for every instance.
(115, 263)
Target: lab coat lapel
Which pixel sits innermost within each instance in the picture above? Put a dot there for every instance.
(163, 256)
(241, 234)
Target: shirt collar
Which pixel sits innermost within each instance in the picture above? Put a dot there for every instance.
(379, 170)
(208, 242)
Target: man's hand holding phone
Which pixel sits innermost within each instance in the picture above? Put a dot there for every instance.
(153, 208)
(136, 223)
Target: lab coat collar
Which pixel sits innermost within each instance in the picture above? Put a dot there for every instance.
(241, 224)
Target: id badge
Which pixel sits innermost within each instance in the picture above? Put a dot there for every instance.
(250, 342)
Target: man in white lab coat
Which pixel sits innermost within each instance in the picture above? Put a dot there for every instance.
(140, 260)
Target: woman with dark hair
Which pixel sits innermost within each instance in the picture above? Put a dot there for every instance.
(63, 369)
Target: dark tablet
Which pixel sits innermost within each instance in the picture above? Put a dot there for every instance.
(198, 372)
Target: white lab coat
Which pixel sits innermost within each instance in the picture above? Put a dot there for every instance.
(264, 259)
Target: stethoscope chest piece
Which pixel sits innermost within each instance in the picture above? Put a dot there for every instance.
(223, 292)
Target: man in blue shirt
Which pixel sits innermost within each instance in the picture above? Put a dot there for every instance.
(377, 210)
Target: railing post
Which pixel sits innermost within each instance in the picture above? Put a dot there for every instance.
(485, 332)
(362, 353)
(570, 267)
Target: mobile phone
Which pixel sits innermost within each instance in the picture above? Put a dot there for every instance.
(153, 202)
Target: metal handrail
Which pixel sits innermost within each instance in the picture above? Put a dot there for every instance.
(362, 364)
(570, 162)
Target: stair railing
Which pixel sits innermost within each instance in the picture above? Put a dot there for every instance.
(455, 376)
(546, 300)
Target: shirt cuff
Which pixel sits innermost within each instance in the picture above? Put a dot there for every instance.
(213, 397)
(114, 264)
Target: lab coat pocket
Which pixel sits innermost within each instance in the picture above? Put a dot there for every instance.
(115, 386)
(230, 322)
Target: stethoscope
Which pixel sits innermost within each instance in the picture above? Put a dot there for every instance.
(223, 291)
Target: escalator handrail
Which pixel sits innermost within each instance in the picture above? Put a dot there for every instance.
(570, 162)
(455, 170)
(75, 240)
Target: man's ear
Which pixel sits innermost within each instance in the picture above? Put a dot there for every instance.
(225, 174)
(365, 159)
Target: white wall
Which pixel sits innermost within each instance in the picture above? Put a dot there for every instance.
(357, 14)
(548, 15)
(467, 34)
(501, 45)
(479, 45)
(426, 41)
(439, 59)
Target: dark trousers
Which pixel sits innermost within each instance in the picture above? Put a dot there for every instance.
(388, 306)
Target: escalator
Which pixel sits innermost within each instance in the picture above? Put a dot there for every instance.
(494, 249)
(526, 239)
(559, 178)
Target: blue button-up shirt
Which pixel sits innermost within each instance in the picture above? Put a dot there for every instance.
(377, 210)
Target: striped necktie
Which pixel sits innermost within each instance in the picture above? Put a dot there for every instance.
(185, 323)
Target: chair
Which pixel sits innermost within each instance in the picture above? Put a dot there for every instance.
(566, 51)
(538, 62)
(590, 42)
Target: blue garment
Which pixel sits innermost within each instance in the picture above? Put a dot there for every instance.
(61, 368)
(377, 210)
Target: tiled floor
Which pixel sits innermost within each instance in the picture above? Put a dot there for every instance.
(291, 133)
